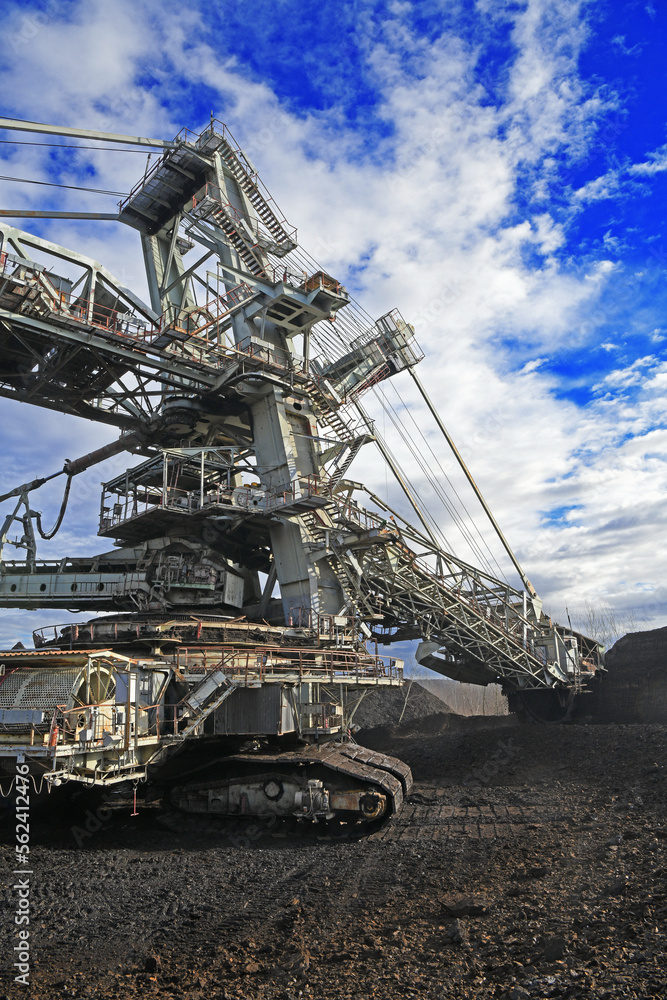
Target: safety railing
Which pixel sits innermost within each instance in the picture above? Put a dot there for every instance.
(67, 635)
(496, 609)
(60, 303)
(301, 489)
(377, 375)
(184, 138)
(133, 505)
(207, 141)
(259, 664)
(92, 725)
(210, 196)
(86, 724)
(192, 347)
(104, 632)
(190, 501)
(218, 134)
(123, 323)
(9, 262)
(273, 357)
(119, 513)
(348, 510)
(90, 312)
(325, 627)
(198, 321)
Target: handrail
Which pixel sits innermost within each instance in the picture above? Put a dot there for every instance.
(258, 227)
(195, 348)
(285, 660)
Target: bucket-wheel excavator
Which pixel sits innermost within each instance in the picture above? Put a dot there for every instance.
(247, 583)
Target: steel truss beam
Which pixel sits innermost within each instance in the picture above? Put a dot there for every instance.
(477, 618)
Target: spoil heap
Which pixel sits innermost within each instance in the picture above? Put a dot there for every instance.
(635, 688)
(389, 706)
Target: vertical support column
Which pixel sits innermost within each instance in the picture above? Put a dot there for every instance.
(164, 266)
(285, 450)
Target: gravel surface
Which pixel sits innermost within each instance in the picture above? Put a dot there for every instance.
(528, 862)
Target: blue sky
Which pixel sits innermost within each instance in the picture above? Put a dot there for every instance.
(496, 170)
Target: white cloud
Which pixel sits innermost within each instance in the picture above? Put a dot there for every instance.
(656, 163)
(600, 188)
(624, 377)
(618, 41)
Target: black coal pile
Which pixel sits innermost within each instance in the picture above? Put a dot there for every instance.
(635, 688)
(393, 706)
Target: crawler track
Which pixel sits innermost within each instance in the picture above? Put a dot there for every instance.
(341, 766)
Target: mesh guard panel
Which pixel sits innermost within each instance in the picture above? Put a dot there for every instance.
(43, 689)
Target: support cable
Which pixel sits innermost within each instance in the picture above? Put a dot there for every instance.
(441, 495)
(347, 324)
(333, 337)
(447, 503)
(395, 420)
(475, 548)
(400, 479)
(526, 582)
(355, 322)
(69, 187)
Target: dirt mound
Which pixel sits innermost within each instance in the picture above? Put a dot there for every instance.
(389, 706)
(635, 688)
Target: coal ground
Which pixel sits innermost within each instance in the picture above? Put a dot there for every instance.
(528, 862)
(387, 706)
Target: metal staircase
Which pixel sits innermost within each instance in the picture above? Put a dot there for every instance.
(204, 699)
(211, 208)
(247, 181)
(345, 459)
(326, 408)
(484, 624)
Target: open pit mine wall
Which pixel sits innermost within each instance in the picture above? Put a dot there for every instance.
(635, 687)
